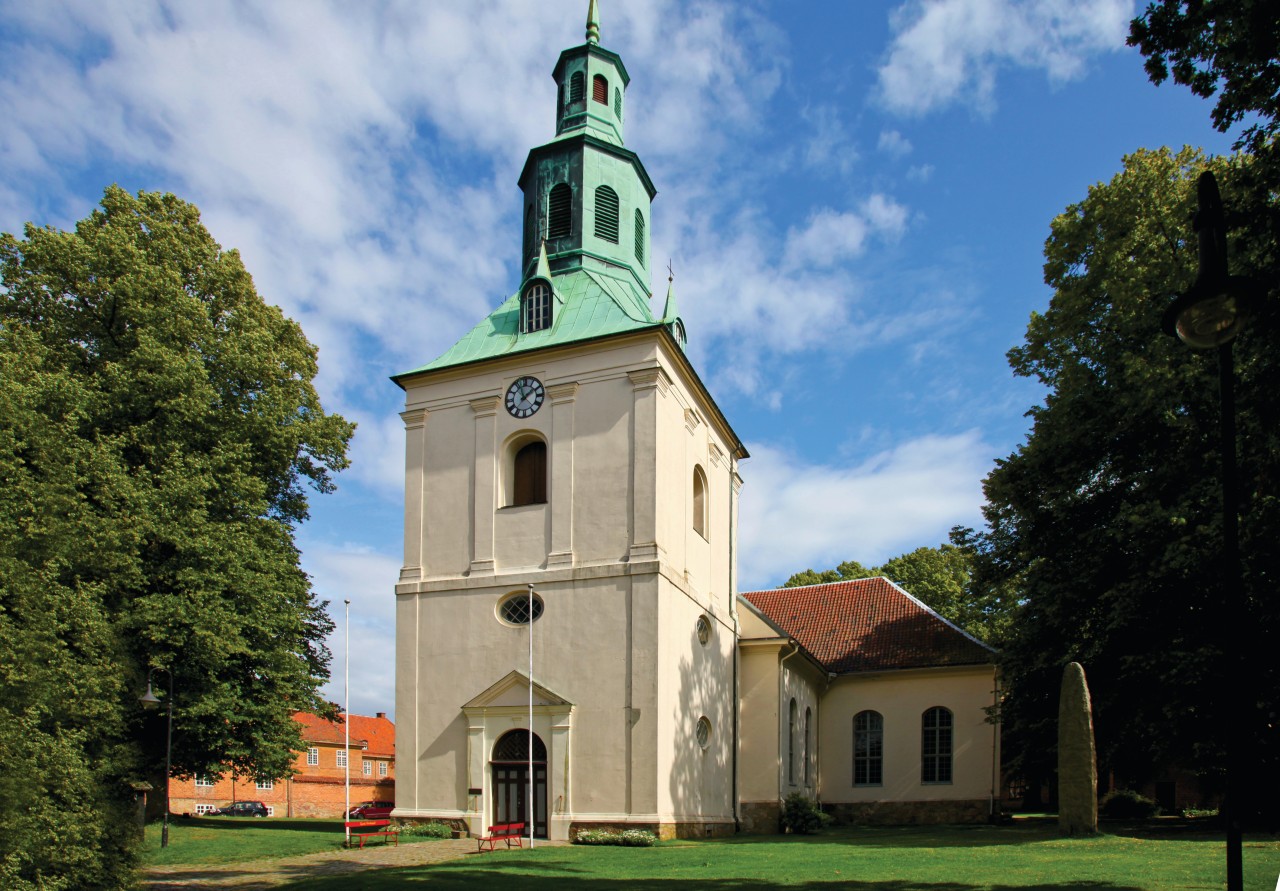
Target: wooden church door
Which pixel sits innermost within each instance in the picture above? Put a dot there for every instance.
(511, 781)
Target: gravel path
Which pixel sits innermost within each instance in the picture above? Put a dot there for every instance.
(262, 874)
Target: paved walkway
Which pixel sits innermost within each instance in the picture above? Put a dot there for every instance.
(263, 874)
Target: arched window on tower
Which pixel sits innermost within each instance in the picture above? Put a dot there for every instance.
(560, 211)
(535, 308)
(600, 89)
(617, 103)
(699, 501)
(577, 85)
(639, 236)
(530, 230)
(607, 214)
(529, 474)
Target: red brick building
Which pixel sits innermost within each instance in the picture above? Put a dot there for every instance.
(316, 789)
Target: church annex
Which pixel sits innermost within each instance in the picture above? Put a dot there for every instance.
(571, 500)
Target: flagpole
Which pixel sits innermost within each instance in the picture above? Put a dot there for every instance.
(346, 717)
(533, 812)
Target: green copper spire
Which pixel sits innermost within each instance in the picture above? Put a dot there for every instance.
(593, 23)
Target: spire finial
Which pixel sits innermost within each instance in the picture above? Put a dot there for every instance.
(593, 23)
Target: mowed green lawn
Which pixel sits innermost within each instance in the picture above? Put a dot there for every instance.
(1023, 857)
(195, 840)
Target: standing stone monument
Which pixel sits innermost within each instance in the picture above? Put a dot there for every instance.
(1077, 760)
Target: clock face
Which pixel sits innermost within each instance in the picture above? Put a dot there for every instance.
(525, 396)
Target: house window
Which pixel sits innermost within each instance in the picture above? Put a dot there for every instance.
(607, 214)
(382, 768)
(560, 211)
(313, 756)
(639, 236)
(868, 749)
(699, 501)
(808, 727)
(204, 808)
(529, 474)
(265, 785)
(577, 85)
(535, 312)
(791, 742)
(367, 767)
(203, 782)
(342, 757)
(935, 746)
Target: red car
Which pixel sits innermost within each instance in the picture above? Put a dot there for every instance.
(371, 810)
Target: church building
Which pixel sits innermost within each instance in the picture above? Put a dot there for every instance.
(571, 647)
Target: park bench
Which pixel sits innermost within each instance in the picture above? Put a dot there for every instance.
(365, 829)
(508, 832)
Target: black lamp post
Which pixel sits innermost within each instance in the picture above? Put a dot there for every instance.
(149, 700)
(1210, 315)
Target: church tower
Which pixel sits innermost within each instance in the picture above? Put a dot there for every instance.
(565, 615)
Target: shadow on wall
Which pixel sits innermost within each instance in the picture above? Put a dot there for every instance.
(701, 775)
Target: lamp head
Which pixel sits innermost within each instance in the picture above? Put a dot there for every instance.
(1204, 318)
(149, 699)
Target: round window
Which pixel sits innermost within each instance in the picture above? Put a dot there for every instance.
(520, 609)
(704, 630)
(704, 732)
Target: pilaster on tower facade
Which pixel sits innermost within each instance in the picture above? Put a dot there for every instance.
(566, 443)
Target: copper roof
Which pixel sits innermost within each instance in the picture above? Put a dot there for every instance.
(867, 625)
(377, 736)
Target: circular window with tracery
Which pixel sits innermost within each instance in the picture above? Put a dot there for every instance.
(520, 609)
(704, 732)
(703, 628)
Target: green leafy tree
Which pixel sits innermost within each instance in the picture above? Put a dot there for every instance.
(161, 433)
(1228, 48)
(1108, 518)
(850, 569)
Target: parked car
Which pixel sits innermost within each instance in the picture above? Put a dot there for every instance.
(371, 810)
(240, 809)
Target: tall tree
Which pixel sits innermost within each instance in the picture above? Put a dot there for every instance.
(161, 433)
(1108, 517)
(1228, 48)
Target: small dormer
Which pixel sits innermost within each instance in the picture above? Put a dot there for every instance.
(537, 298)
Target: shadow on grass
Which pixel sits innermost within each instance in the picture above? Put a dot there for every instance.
(909, 837)
(230, 824)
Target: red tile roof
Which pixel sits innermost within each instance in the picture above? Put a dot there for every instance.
(377, 736)
(867, 625)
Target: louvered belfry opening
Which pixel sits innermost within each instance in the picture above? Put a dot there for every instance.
(639, 236)
(577, 85)
(600, 89)
(560, 211)
(617, 103)
(607, 214)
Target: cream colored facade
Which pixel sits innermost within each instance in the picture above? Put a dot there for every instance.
(621, 677)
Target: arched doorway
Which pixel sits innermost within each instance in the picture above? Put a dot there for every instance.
(510, 765)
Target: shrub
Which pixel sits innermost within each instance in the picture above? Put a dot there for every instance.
(1125, 804)
(630, 838)
(427, 830)
(803, 815)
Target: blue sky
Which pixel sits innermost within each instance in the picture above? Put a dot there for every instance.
(854, 197)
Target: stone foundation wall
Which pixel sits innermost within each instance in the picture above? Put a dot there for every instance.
(760, 817)
(664, 831)
(911, 812)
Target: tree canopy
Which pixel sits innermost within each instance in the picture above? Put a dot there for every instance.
(161, 433)
(1107, 520)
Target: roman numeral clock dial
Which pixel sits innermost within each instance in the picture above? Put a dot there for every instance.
(524, 397)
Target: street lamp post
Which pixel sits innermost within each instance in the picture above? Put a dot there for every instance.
(1208, 316)
(149, 700)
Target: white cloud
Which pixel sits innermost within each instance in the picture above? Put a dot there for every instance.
(947, 51)
(798, 515)
(894, 143)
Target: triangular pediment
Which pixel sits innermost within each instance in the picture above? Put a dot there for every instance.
(513, 690)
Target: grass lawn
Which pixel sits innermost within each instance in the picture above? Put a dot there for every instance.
(194, 840)
(1007, 858)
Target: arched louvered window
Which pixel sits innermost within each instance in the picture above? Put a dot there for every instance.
(617, 103)
(577, 86)
(529, 469)
(868, 749)
(792, 719)
(530, 229)
(535, 308)
(600, 89)
(699, 501)
(514, 746)
(560, 211)
(808, 741)
(639, 236)
(935, 745)
(607, 214)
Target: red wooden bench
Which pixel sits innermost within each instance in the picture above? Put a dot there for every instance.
(508, 832)
(368, 829)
